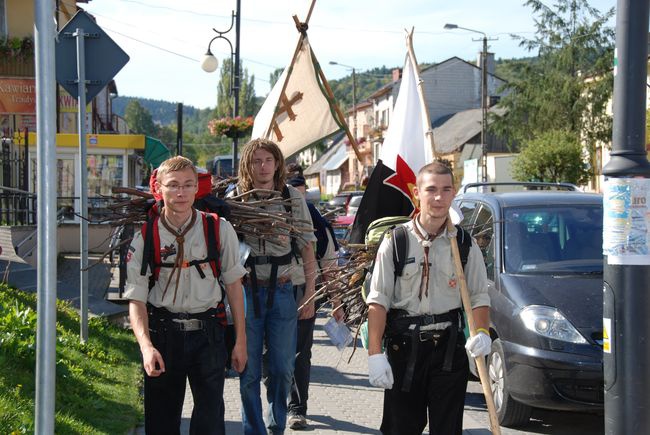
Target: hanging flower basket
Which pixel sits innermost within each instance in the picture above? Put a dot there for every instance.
(231, 127)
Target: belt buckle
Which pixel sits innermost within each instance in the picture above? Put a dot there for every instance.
(189, 325)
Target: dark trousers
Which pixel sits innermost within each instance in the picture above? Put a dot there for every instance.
(199, 356)
(300, 384)
(434, 393)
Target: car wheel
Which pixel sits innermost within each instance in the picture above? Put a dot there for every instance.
(509, 411)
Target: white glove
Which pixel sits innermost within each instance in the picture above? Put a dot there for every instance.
(379, 371)
(479, 345)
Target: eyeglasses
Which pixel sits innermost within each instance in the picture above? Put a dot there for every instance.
(173, 187)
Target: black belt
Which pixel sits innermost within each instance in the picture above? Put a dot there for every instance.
(251, 262)
(187, 321)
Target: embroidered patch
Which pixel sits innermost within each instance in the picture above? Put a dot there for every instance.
(131, 248)
(410, 260)
(452, 283)
(128, 256)
(167, 251)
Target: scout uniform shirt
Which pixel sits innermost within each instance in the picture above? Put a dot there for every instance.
(444, 285)
(195, 294)
(259, 247)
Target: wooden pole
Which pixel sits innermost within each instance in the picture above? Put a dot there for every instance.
(467, 305)
(426, 120)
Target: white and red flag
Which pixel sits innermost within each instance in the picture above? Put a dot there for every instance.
(405, 150)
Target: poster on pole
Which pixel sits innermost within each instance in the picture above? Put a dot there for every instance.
(626, 220)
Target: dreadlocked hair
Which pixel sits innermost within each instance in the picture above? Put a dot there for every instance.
(246, 164)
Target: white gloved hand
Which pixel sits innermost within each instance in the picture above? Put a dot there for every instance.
(379, 371)
(479, 345)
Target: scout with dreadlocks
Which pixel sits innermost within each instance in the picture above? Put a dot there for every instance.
(271, 317)
(422, 332)
(176, 307)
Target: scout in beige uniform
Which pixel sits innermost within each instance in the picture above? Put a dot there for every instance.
(179, 322)
(426, 357)
(271, 307)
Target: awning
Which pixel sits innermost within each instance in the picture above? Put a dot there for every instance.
(155, 152)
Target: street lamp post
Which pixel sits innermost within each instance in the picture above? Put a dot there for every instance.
(484, 96)
(210, 64)
(354, 97)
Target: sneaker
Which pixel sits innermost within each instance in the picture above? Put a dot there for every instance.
(297, 422)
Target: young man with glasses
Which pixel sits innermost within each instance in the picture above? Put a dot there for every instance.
(178, 318)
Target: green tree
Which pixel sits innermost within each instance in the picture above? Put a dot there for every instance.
(139, 119)
(247, 101)
(554, 156)
(568, 85)
(275, 76)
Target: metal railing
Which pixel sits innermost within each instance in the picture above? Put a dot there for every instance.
(17, 207)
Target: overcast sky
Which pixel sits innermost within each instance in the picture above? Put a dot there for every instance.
(167, 39)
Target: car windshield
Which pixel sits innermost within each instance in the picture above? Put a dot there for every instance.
(355, 201)
(560, 239)
(338, 201)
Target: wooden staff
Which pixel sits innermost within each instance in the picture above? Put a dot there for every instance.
(467, 305)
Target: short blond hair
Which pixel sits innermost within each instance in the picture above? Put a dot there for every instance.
(173, 164)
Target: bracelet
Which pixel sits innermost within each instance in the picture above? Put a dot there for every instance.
(483, 330)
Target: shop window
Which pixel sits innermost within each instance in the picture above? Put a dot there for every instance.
(104, 173)
(3, 19)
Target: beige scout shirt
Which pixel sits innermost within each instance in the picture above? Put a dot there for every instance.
(195, 294)
(444, 286)
(260, 247)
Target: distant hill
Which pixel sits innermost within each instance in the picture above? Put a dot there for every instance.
(164, 113)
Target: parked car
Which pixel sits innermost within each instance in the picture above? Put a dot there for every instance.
(342, 200)
(353, 205)
(544, 260)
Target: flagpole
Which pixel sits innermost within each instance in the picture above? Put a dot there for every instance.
(416, 69)
(467, 305)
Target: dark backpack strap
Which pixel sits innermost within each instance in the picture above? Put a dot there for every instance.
(286, 194)
(400, 249)
(212, 242)
(464, 241)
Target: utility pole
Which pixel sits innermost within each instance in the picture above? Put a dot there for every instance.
(236, 86)
(179, 129)
(626, 325)
(484, 110)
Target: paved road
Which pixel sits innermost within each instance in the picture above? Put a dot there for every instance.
(342, 402)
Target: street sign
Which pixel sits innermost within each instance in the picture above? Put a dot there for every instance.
(103, 57)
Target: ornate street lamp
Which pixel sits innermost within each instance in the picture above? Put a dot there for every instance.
(210, 64)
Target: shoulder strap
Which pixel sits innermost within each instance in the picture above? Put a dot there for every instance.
(400, 249)
(212, 241)
(464, 241)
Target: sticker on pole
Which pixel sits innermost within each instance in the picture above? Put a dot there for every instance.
(626, 219)
(607, 334)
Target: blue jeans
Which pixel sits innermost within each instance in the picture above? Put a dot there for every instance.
(277, 327)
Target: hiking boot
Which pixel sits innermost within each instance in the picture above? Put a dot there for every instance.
(297, 422)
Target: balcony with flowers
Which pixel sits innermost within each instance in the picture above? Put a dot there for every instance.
(17, 56)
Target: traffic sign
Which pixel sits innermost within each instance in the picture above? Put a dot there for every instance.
(103, 57)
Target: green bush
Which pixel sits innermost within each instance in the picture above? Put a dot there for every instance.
(97, 382)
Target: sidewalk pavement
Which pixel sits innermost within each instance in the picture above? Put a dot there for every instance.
(341, 401)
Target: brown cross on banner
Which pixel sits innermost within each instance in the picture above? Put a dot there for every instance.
(286, 106)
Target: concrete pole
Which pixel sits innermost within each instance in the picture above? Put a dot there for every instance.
(46, 217)
(83, 186)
